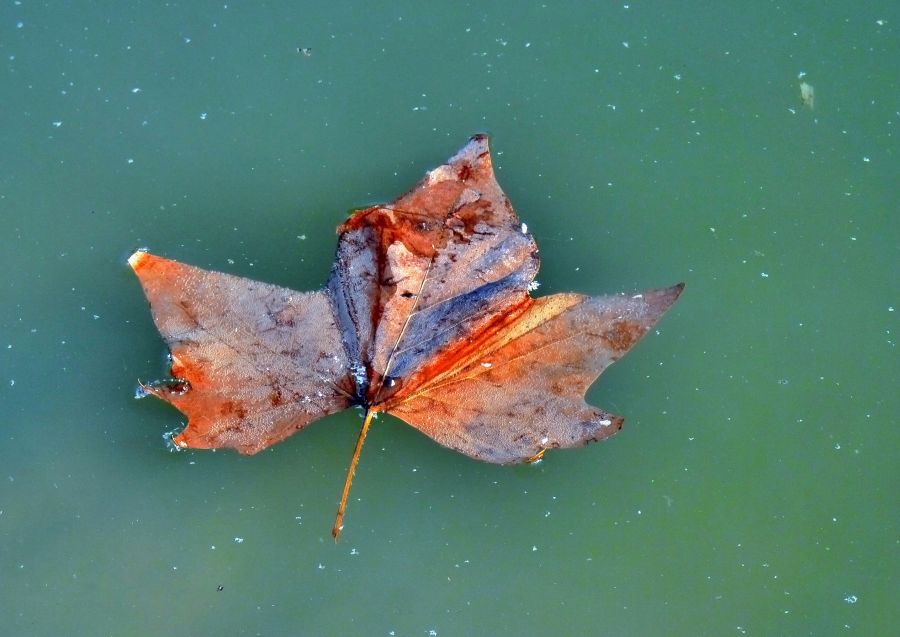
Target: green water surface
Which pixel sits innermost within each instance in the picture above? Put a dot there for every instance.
(753, 490)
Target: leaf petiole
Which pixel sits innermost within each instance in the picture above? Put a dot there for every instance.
(342, 507)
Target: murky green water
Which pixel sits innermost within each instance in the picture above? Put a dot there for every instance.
(753, 489)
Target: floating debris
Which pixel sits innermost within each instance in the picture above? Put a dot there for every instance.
(807, 95)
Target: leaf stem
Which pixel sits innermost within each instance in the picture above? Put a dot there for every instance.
(342, 507)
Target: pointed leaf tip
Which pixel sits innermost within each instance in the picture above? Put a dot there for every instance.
(671, 294)
(137, 258)
(662, 298)
(477, 146)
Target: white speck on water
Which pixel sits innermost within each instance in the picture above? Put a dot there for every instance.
(203, 115)
(187, 40)
(801, 75)
(136, 89)
(57, 124)
(866, 159)
(677, 76)
(764, 275)
(130, 160)
(302, 237)
(638, 296)
(238, 540)
(783, 381)
(880, 22)
(432, 633)
(625, 44)
(837, 446)
(354, 551)
(212, 547)
(890, 309)
(851, 599)
(534, 285)
(533, 549)
(321, 566)
(19, 25)
(12, 382)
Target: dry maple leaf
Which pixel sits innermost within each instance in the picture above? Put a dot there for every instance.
(427, 316)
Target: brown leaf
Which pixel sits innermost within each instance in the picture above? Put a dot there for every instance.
(427, 316)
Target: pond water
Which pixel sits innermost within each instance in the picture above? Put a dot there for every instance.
(750, 491)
